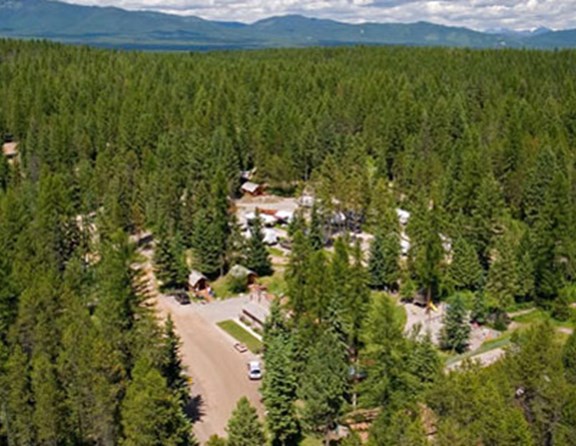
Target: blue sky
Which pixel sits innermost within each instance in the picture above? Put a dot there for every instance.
(477, 14)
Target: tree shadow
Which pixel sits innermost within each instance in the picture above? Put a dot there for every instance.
(194, 408)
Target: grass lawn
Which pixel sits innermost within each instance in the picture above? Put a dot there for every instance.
(311, 441)
(220, 287)
(492, 344)
(275, 283)
(539, 315)
(276, 252)
(241, 335)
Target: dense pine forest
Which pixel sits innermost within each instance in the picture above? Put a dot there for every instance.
(478, 146)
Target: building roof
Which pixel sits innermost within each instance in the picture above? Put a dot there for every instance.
(10, 149)
(256, 312)
(250, 187)
(286, 216)
(239, 272)
(403, 216)
(195, 277)
(270, 236)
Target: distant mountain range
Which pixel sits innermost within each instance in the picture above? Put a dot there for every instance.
(118, 28)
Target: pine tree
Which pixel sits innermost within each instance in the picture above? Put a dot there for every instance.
(279, 389)
(479, 313)
(456, 331)
(215, 440)
(49, 417)
(569, 358)
(426, 252)
(18, 407)
(502, 284)
(169, 263)
(316, 230)
(323, 383)
(297, 273)
(356, 304)
(244, 428)
(383, 263)
(257, 257)
(151, 415)
(465, 270)
(172, 368)
(403, 427)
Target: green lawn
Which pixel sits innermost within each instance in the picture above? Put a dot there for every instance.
(311, 441)
(275, 283)
(492, 344)
(539, 315)
(241, 335)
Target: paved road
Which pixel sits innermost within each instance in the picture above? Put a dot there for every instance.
(218, 372)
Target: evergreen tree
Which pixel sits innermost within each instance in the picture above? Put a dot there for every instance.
(18, 407)
(244, 428)
(465, 271)
(49, 416)
(169, 263)
(215, 440)
(151, 415)
(479, 312)
(456, 331)
(403, 427)
(172, 368)
(316, 230)
(279, 390)
(383, 263)
(569, 358)
(297, 273)
(257, 257)
(502, 284)
(427, 252)
(324, 383)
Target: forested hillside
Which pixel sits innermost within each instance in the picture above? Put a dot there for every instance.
(479, 146)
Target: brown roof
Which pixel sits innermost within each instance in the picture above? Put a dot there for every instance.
(10, 149)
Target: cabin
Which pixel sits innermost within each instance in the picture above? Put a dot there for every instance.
(252, 189)
(197, 281)
(241, 273)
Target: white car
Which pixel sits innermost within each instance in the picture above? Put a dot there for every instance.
(254, 370)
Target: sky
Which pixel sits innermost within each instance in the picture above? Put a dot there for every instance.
(475, 14)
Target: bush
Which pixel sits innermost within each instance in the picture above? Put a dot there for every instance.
(237, 285)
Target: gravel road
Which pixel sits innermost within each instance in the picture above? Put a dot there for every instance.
(219, 373)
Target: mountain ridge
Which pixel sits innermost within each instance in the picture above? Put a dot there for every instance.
(119, 28)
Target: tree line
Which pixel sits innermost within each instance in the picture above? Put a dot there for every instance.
(477, 145)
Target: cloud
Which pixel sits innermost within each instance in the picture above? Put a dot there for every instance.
(477, 14)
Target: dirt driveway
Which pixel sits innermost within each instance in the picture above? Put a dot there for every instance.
(219, 373)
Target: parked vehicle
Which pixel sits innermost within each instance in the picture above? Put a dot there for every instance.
(181, 297)
(254, 370)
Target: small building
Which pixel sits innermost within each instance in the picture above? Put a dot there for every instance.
(252, 189)
(270, 236)
(403, 216)
(240, 272)
(10, 150)
(197, 281)
(266, 219)
(284, 217)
